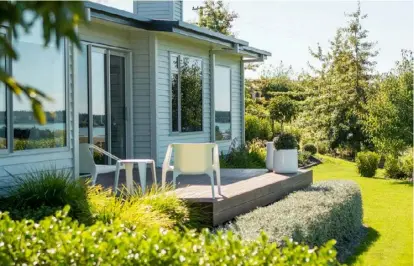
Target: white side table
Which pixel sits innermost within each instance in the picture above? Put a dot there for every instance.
(142, 169)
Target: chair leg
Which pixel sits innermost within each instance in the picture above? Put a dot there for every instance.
(94, 177)
(218, 181)
(211, 175)
(175, 174)
(163, 177)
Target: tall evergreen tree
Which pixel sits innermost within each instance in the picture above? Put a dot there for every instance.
(340, 86)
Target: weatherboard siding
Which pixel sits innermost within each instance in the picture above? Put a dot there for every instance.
(167, 45)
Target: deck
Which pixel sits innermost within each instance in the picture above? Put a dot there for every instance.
(242, 189)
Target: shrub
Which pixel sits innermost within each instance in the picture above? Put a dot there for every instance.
(60, 241)
(303, 158)
(285, 141)
(154, 209)
(311, 148)
(322, 147)
(252, 155)
(367, 163)
(257, 128)
(323, 211)
(400, 167)
(41, 193)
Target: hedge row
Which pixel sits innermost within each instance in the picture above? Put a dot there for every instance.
(58, 240)
(323, 211)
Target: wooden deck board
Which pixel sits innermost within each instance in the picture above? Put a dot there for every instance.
(242, 189)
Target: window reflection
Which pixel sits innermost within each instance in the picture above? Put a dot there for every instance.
(222, 102)
(44, 69)
(187, 89)
(98, 100)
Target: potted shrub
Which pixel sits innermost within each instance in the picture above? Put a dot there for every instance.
(281, 109)
(285, 155)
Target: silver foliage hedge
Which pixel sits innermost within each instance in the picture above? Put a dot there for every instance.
(324, 211)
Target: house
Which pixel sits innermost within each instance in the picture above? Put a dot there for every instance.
(141, 81)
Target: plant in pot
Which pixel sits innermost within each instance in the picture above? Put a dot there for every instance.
(281, 109)
(285, 155)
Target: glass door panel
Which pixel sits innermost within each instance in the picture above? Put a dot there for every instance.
(117, 94)
(98, 102)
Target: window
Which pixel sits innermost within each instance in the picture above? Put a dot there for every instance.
(222, 102)
(44, 69)
(186, 94)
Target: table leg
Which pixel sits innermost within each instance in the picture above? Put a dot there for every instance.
(142, 169)
(154, 174)
(129, 177)
(116, 177)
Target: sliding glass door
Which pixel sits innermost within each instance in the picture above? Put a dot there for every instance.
(102, 101)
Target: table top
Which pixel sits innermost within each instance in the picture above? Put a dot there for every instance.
(135, 161)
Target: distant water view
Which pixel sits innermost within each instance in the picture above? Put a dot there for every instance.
(98, 131)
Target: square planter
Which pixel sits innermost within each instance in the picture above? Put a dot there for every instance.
(285, 161)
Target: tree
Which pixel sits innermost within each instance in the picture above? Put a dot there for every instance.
(282, 109)
(215, 16)
(389, 118)
(59, 18)
(338, 89)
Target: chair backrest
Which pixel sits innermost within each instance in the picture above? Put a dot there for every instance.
(86, 162)
(193, 158)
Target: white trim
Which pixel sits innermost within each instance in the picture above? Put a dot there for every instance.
(242, 103)
(75, 93)
(212, 85)
(153, 68)
(129, 105)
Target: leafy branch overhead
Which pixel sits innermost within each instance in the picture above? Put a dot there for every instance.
(59, 20)
(215, 16)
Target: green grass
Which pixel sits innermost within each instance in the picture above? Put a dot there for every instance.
(388, 214)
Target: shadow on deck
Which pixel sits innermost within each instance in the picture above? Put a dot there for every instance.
(242, 189)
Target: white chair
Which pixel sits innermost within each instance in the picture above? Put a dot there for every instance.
(87, 163)
(193, 159)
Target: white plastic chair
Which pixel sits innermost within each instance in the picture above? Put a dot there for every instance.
(193, 159)
(87, 164)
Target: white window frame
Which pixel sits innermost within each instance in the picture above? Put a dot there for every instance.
(231, 106)
(180, 56)
(9, 109)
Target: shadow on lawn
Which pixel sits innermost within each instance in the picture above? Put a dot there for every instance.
(406, 182)
(371, 236)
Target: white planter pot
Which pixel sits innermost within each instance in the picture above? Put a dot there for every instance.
(269, 155)
(285, 161)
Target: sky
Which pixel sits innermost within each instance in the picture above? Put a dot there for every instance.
(288, 28)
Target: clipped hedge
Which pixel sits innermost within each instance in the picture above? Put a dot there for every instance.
(323, 211)
(59, 241)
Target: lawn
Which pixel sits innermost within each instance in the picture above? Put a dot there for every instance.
(388, 212)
